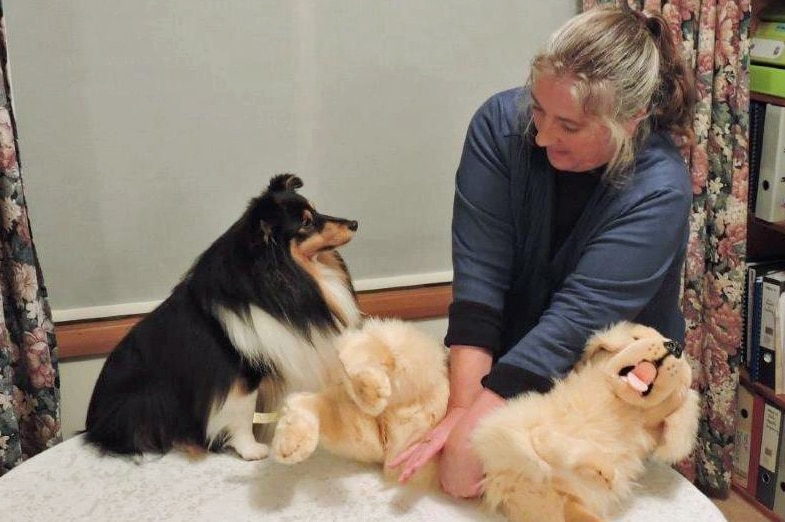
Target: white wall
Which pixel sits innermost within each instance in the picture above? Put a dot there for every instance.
(146, 126)
(77, 378)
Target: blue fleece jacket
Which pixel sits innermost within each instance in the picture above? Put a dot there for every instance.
(533, 308)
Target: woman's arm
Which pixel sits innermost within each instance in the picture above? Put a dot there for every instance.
(621, 269)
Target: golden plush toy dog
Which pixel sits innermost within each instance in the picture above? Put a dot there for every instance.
(570, 454)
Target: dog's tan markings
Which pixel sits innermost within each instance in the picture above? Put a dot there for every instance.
(332, 235)
(307, 217)
(193, 452)
(333, 259)
(307, 264)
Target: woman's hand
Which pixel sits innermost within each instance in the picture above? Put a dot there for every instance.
(460, 470)
(420, 453)
(468, 364)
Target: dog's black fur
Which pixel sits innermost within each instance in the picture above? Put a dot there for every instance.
(176, 368)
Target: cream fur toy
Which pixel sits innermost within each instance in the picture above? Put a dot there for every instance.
(569, 455)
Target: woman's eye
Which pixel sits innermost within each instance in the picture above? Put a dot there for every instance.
(570, 130)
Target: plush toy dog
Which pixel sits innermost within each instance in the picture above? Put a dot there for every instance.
(568, 455)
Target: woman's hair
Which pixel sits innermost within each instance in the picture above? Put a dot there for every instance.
(625, 64)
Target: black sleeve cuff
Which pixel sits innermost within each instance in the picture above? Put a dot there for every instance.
(507, 381)
(474, 324)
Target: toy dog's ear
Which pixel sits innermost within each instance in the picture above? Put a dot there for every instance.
(285, 182)
(616, 337)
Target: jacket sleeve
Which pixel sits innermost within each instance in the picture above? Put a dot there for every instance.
(619, 272)
(482, 230)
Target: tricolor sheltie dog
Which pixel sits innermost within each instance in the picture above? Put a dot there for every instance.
(258, 310)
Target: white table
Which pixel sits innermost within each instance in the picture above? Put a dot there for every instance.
(72, 482)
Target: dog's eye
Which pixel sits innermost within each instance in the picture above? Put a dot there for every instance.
(307, 222)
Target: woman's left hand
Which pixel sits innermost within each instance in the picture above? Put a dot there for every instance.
(460, 469)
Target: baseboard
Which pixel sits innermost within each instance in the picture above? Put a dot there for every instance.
(90, 338)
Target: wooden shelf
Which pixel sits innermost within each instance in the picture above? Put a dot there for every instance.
(764, 240)
(767, 98)
(776, 227)
(743, 493)
(764, 391)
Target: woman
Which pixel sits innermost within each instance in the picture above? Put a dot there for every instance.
(571, 213)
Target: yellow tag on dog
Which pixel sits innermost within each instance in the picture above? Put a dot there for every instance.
(265, 418)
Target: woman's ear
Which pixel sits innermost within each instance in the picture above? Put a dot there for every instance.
(631, 125)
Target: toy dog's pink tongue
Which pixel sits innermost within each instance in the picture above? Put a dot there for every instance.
(642, 376)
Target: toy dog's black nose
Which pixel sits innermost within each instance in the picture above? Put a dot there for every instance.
(674, 348)
(352, 226)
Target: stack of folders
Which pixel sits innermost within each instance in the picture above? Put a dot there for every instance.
(763, 339)
(759, 451)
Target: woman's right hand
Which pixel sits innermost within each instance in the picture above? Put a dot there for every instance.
(420, 453)
(468, 365)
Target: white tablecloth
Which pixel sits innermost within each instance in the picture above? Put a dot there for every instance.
(71, 482)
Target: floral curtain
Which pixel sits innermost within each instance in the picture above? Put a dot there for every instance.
(29, 381)
(714, 36)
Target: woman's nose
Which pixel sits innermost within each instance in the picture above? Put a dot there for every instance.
(544, 136)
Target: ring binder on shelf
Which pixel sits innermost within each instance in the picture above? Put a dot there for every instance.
(770, 200)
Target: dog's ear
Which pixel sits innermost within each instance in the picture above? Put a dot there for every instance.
(266, 231)
(285, 182)
(617, 337)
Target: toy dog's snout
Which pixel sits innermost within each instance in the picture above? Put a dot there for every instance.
(674, 348)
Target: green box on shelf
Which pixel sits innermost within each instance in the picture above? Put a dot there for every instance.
(767, 80)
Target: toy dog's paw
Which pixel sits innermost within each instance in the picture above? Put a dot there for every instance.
(370, 390)
(599, 471)
(296, 436)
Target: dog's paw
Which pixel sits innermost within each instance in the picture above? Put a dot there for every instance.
(251, 450)
(370, 389)
(296, 436)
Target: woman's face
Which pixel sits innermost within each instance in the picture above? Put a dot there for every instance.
(574, 141)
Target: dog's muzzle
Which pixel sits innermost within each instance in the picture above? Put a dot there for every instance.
(674, 348)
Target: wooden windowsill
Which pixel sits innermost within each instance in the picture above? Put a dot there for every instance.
(98, 337)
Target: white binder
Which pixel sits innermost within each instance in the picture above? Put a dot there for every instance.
(770, 202)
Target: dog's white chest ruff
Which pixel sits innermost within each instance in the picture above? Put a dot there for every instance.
(263, 339)
(333, 283)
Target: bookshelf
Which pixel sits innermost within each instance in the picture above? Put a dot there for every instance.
(764, 241)
(767, 98)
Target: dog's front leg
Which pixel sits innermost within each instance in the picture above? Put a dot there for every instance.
(234, 418)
